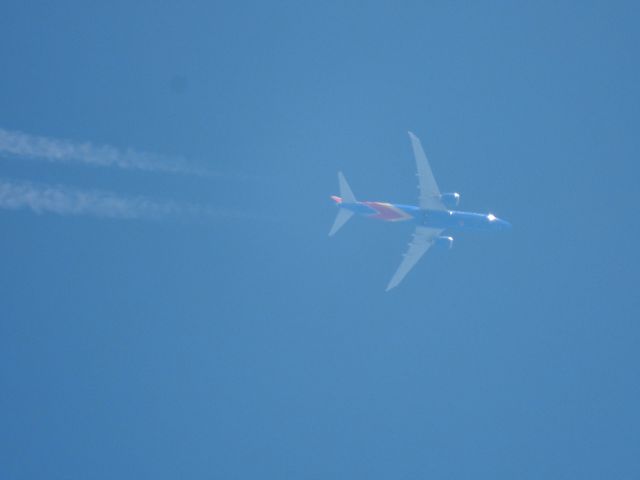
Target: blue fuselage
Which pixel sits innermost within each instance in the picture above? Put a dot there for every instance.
(443, 219)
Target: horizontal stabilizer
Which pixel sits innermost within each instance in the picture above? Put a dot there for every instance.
(345, 192)
(342, 218)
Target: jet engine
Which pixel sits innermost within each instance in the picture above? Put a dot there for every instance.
(445, 243)
(450, 200)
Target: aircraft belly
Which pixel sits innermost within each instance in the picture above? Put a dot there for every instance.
(454, 220)
(437, 219)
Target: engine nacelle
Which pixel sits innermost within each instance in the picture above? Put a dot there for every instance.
(450, 200)
(445, 243)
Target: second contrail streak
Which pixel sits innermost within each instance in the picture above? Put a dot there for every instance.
(62, 200)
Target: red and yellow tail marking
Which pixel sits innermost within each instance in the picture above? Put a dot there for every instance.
(388, 212)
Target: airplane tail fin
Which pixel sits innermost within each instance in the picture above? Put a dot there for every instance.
(346, 196)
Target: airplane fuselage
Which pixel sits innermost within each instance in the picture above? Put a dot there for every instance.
(444, 219)
(434, 216)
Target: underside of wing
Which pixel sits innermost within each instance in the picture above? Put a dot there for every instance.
(429, 191)
(423, 238)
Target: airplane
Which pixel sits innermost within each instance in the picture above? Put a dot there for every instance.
(434, 214)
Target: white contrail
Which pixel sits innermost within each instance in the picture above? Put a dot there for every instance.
(23, 145)
(63, 200)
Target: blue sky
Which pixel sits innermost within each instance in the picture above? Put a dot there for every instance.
(250, 345)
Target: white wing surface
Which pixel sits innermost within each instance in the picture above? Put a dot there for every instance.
(423, 238)
(429, 191)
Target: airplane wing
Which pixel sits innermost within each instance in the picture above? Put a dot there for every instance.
(429, 191)
(423, 238)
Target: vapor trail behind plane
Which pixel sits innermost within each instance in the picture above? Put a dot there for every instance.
(18, 144)
(61, 200)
